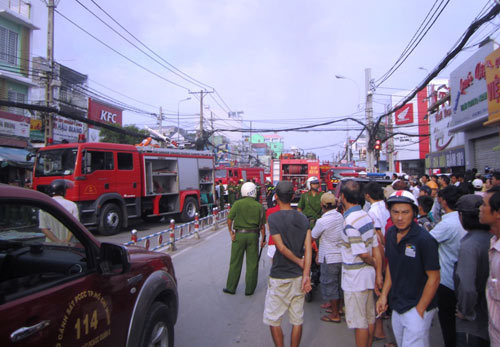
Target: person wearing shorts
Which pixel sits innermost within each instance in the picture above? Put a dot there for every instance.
(289, 279)
(328, 230)
(361, 265)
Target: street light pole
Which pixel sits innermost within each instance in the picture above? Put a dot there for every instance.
(178, 118)
(341, 77)
(369, 120)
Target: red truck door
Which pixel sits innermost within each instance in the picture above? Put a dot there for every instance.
(128, 174)
(99, 169)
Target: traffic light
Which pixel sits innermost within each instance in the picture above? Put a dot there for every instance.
(378, 145)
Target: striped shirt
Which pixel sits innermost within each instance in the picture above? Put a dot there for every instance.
(493, 293)
(357, 238)
(329, 231)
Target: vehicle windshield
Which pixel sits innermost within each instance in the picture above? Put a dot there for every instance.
(56, 162)
(221, 173)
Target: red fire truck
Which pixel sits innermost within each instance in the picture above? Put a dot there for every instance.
(332, 176)
(227, 173)
(115, 182)
(294, 169)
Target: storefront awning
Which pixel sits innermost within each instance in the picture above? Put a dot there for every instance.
(15, 157)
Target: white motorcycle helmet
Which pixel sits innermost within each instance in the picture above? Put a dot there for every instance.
(249, 189)
(312, 179)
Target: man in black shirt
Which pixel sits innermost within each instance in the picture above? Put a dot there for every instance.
(412, 273)
(289, 280)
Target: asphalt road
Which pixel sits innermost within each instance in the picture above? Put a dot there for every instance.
(209, 317)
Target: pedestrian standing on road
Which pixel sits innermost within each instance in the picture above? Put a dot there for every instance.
(310, 202)
(448, 233)
(328, 230)
(222, 199)
(231, 192)
(361, 265)
(489, 214)
(470, 276)
(54, 230)
(379, 213)
(244, 222)
(289, 279)
(424, 207)
(411, 275)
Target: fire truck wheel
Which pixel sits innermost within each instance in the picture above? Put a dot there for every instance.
(158, 328)
(189, 210)
(111, 220)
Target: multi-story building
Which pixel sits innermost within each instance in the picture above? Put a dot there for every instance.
(16, 32)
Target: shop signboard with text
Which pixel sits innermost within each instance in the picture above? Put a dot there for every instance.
(12, 124)
(469, 100)
(493, 86)
(104, 113)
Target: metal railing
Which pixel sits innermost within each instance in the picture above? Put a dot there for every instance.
(168, 237)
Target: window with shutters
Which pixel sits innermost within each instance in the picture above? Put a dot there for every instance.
(8, 45)
(16, 97)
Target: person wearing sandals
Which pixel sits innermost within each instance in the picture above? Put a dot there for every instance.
(328, 230)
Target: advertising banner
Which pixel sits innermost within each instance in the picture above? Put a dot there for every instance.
(469, 100)
(104, 113)
(14, 125)
(493, 86)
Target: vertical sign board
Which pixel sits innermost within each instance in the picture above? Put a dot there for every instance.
(441, 139)
(469, 100)
(492, 64)
(411, 141)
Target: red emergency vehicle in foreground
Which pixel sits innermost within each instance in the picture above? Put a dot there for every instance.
(115, 182)
(77, 293)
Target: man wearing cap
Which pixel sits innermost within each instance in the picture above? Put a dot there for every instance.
(310, 202)
(412, 273)
(328, 230)
(489, 214)
(289, 279)
(471, 274)
(448, 233)
(244, 222)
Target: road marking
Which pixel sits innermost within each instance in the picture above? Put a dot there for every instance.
(184, 250)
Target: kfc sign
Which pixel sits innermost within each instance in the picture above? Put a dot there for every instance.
(405, 115)
(103, 113)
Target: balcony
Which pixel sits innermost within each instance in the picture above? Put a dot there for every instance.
(17, 11)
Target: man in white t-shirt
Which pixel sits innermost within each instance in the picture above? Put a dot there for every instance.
(54, 230)
(361, 265)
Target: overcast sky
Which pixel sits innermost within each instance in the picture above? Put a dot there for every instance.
(274, 60)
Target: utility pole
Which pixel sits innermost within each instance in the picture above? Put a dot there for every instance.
(369, 119)
(201, 92)
(160, 121)
(390, 141)
(49, 95)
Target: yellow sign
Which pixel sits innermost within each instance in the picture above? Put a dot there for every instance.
(492, 65)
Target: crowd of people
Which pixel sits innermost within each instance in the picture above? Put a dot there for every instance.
(418, 248)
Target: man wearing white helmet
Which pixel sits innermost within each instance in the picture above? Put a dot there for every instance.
(478, 187)
(310, 202)
(244, 222)
(412, 273)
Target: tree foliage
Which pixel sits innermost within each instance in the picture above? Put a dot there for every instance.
(111, 136)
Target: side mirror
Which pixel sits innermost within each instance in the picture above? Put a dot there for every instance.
(113, 259)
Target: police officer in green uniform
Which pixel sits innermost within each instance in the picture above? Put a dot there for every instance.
(238, 189)
(231, 192)
(245, 221)
(310, 202)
